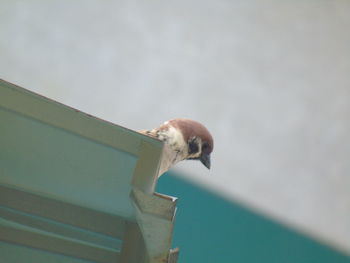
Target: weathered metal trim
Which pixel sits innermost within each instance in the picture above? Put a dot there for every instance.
(155, 214)
(173, 255)
(146, 170)
(157, 205)
(42, 109)
(54, 227)
(63, 212)
(57, 244)
(133, 249)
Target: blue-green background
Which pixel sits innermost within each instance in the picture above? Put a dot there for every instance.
(210, 229)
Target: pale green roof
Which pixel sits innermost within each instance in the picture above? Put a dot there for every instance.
(77, 185)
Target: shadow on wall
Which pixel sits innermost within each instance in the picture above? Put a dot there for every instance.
(210, 229)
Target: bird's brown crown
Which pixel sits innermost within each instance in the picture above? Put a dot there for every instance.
(191, 129)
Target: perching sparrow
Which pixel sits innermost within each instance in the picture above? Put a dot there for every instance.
(184, 139)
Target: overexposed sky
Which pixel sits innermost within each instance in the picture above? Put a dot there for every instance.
(269, 79)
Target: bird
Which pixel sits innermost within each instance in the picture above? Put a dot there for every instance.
(184, 139)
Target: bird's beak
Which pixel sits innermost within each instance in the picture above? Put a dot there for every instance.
(205, 159)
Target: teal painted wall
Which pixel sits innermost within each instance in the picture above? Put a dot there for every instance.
(210, 229)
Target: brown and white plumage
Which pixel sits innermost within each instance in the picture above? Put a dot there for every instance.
(184, 139)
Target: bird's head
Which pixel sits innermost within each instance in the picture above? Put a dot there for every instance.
(198, 142)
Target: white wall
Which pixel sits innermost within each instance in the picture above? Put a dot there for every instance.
(270, 79)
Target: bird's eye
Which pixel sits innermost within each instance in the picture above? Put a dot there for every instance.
(205, 146)
(193, 147)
